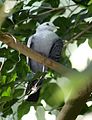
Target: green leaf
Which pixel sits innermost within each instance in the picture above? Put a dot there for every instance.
(23, 109)
(90, 8)
(7, 92)
(82, 2)
(53, 94)
(80, 16)
(20, 17)
(90, 2)
(8, 79)
(5, 99)
(7, 26)
(44, 15)
(22, 68)
(1, 106)
(4, 52)
(90, 42)
(18, 7)
(18, 92)
(65, 60)
(54, 3)
(63, 28)
(8, 104)
(2, 79)
(7, 111)
(38, 75)
(25, 29)
(80, 41)
(14, 56)
(31, 2)
(8, 65)
(9, 54)
(6, 85)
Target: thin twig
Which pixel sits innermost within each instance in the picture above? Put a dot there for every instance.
(53, 10)
(50, 11)
(67, 2)
(73, 11)
(79, 35)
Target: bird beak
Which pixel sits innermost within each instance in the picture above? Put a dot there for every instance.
(56, 28)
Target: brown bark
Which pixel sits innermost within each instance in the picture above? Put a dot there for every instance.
(23, 49)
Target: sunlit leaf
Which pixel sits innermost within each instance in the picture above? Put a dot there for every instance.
(53, 94)
(90, 2)
(17, 7)
(90, 43)
(54, 3)
(7, 92)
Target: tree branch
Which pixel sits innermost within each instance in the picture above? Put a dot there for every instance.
(81, 33)
(23, 49)
(51, 10)
(73, 107)
(60, 10)
(76, 102)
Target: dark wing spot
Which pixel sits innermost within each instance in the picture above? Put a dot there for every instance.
(55, 52)
(34, 97)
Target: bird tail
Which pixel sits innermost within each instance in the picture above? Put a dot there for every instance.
(33, 89)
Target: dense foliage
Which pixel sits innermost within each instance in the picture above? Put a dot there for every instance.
(71, 17)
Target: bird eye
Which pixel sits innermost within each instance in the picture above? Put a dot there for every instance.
(47, 24)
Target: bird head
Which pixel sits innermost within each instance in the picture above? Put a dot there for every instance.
(47, 26)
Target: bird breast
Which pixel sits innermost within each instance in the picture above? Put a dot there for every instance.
(43, 41)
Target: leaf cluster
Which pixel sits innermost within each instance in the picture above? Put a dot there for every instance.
(22, 22)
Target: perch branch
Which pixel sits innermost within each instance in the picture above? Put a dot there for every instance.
(23, 49)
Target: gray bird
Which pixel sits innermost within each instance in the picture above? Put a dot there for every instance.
(46, 42)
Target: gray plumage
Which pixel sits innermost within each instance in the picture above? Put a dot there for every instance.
(42, 42)
(46, 42)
